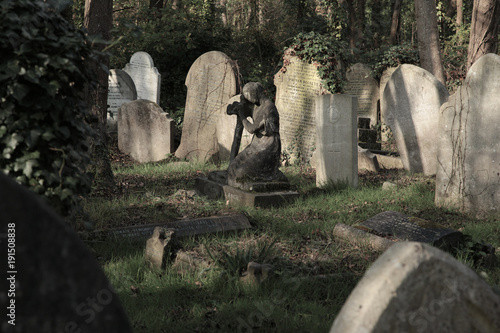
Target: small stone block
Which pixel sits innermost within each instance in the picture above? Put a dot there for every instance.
(158, 247)
(258, 199)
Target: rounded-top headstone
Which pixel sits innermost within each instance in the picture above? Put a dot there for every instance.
(146, 77)
(211, 82)
(121, 89)
(411, 100)
(414, 287)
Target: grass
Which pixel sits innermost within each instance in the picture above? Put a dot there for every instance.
(314, 272)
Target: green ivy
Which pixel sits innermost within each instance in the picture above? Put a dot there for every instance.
(43, 129)
(330, 54)
(395, 56)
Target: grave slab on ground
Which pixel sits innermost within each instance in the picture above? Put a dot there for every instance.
(264, 194)
(414, 287)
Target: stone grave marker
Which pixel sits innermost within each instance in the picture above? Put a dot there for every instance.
(145, 131)
(360, 83)
(146, 77)
(411, 100)
(121, 89)
(336, 143)
(53, 282)
(211, 82)
(297, 85)
(414, 287)
(468, 157)
(386, 75)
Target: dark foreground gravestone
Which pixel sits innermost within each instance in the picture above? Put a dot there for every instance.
(52, 282)
(414, 287)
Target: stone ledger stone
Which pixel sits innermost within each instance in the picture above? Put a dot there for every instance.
(145, 131)
(211, 82)
(297, 85)
(121, 89)
(468, 157)
(336, 143)
(361, 84)
(58, 285)
(414, 287)
(146, 77)
(411, 100)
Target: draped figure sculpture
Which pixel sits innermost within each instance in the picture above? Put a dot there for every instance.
(260, 161)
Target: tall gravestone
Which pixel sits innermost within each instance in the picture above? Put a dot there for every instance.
(336, 144)
(360, 83)
(411, 99)
(146, 77)
(145, 131)
(53, 283)
(469, 156)
(211, 82)
(121, 89)
(297, 85)
(415, 287)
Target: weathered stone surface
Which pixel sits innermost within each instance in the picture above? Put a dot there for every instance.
(211, 82)
(257, 273)
(468, 158)
(361, 84)
(386, 75)
(58, 285)
(360, 237)
(400, 227)
(411, 100)
(336, 143)
(389, 162)
(189, 262)
(146, 77)
(159, 247)
(414, 287)
(145, 131)
(297, 85)
(121, 89)
(367, 160)
(183, 228)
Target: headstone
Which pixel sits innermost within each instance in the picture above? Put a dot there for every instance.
(411, 100)
(336, 143)
(468, 157)
(53, 282)
(121, 89)
(386, 75)
(159, 247)
(400, 227)
(367, 160)
(145, 131)
(211, 82)
(414, 287)
(146, 77)
(297, 85)
(360, 83)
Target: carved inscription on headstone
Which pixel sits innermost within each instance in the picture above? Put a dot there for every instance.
(146, 77)
(297, 85)
(361, 84)
(399, 226)
(211, 82)
(121, 89)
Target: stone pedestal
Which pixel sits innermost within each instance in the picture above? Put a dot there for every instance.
(262, 194)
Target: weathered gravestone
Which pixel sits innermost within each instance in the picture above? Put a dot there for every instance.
(146, 77)
(297, 85)
(361, 84)
(211, 82)
(53, 282)
(411, 100)
(336, 143)
(145, 131)
(121, 89)
(468, 175)
(414, 287)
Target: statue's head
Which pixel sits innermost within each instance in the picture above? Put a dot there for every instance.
(253, 92)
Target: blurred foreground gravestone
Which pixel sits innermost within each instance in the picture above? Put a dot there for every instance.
(53, 284)
(411, 100)
(414, 287)
(468, 175)
(211, 82)
(145, 131)
(146, 77)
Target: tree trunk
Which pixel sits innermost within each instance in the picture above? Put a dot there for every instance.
(395, 22)
(98, 22)
(428, 38)
(484, 30)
